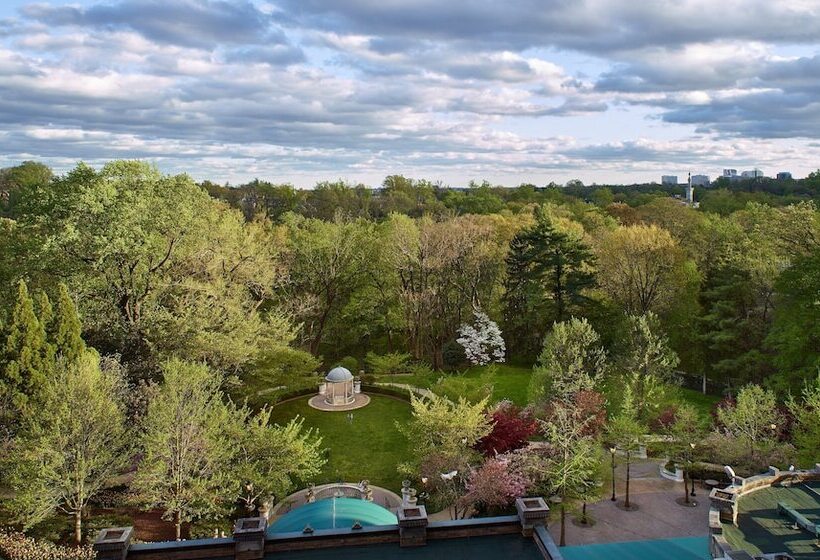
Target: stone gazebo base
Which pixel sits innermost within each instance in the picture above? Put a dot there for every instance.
(318, 402)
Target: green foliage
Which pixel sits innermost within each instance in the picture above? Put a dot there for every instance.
(445, 428)
(185, 466)
(73, 446)
(754, 417)
(806, 412)
(572, 360)
(350, 363)
(270, 459)
(391, 363)
(796, 330)
(459, 386)
(163, 268)
(548, 273)
(26, 356)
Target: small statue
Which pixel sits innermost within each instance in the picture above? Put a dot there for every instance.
(311, 494)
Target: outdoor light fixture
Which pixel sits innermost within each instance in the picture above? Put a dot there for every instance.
(612, 453)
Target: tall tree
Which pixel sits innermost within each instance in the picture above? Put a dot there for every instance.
(548, 273)
(270, 459)
(642, 268)
(67, 329)
(574, 460)
(572, 360)
(185, 466)
(796, 330)
(160, 267)
(26, 355)
(753, 418)
(626, 433)
(75, 444)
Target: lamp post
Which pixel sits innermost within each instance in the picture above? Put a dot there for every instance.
(691, 478)
(612, 455)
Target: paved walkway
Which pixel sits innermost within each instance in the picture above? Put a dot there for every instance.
(658, 516)
(360, 400)
(412, 388)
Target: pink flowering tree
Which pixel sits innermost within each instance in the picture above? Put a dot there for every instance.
(493, 485)
(482, 341)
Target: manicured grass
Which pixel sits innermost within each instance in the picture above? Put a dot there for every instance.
(370, 447)
(511, 382)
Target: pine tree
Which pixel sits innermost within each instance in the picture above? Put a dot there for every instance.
(67, 327)
(26, 364)
(547, 273)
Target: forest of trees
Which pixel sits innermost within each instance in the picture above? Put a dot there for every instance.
(259, 274)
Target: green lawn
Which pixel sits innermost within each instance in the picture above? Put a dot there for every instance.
(703, 403)
(370, 447)
(511, 382)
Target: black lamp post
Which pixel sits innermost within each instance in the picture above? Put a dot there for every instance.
(612, 454)
(691, 478)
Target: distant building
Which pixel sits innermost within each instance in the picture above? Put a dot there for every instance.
(784, 176)
(701, 181)
(729, 173)
(753, 174)
(669, 179)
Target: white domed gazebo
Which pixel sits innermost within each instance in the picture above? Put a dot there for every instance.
(339, 388)
(340, 391)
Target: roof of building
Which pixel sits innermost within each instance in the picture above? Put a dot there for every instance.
(338, 374)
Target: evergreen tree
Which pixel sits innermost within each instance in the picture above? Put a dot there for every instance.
(547, 273)
(26, 354)
(67, 329)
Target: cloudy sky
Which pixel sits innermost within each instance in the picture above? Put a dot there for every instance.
(508, 90)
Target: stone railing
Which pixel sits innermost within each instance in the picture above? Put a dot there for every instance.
(725, 501)
(251, 542)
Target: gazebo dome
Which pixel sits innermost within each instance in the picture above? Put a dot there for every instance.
(339, 375)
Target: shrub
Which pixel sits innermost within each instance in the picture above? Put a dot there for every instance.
(453, 355)
(512, 427)
(392, 363)
(663, 421)
(17, 546)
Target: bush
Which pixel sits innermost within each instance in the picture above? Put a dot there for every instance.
(281, 365)
(17, 546)
(392, 363)
(453, 355)
(350, 363)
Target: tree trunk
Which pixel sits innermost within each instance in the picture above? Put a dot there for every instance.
(704, 383)
(78, 527)
(178, 525)
(563, 540)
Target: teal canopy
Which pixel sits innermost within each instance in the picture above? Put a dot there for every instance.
(333, 513)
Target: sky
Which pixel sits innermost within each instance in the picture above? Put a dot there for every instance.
(512, 91)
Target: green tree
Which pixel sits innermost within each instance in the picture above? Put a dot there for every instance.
(26, 354)
(796, 329)
(626, 433)
(685, 433)
(162, 267)
(642, 268)
(269, 459)
(648, 362)
(753, 418)
(548, 274)
(75, 444)
(445, 428)
(575, 458)
(572, 360)
(67, 328)
(806, 411)
(185, 469)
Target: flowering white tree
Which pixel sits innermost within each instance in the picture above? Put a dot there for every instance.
(482, 341)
